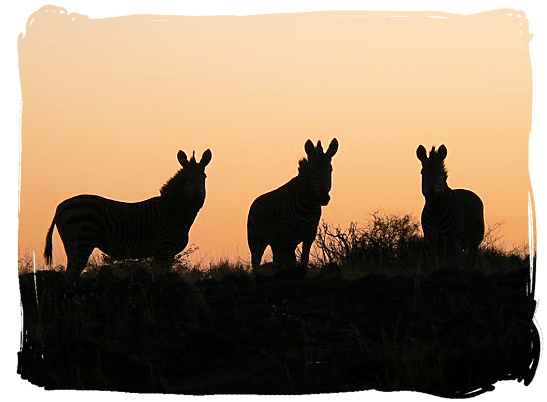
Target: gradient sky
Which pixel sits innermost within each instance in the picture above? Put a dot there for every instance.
(107, 103)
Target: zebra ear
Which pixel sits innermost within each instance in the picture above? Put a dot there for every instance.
(206, 158)
(421, 153)
(442, 151)
(183, 159)
(333, 147)
(309, 148)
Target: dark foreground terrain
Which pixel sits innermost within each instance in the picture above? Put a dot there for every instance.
(450, 333)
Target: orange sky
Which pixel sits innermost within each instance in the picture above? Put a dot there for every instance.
(107, 103)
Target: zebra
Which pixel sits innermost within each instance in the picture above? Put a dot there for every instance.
(289, 215)
(157, 227)
(452, 219)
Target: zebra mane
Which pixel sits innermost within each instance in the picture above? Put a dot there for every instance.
(435, 160)
(174, 184)
(303, 165)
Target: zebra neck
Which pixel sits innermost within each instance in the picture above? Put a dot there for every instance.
(181, 212)
(305, 197)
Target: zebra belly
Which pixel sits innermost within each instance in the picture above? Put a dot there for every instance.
(289, 235)
(279, 218)
(161, 246)
(127, 250)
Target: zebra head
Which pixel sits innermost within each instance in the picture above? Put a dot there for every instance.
(433, 172)
(194, 174)
(316, 170)
(190, 179)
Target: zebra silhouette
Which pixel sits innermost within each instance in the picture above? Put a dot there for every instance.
(452, 220)
(289, 215)
(157, 227)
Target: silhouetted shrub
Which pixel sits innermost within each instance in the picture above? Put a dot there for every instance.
(387, 239)
(393, 243)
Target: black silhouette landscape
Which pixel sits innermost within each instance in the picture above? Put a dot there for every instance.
(378, 315)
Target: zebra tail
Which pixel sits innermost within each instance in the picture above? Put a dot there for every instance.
(48, 250)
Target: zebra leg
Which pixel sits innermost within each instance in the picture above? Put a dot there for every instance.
(454, 254)
(305, 256)
(289, 256)
(77, 255)
(442, 252)
(277, 252)
(291, 270)
(257, 251)
(435, 249)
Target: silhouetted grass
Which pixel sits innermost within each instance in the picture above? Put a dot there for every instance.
(396, 324)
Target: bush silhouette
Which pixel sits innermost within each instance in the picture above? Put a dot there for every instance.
(392, 243)
(386, 241)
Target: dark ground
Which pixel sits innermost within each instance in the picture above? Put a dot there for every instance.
(451, 333)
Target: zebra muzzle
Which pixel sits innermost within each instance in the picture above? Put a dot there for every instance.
(324, 200)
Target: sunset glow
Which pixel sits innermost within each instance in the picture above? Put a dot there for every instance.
(107, 103)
